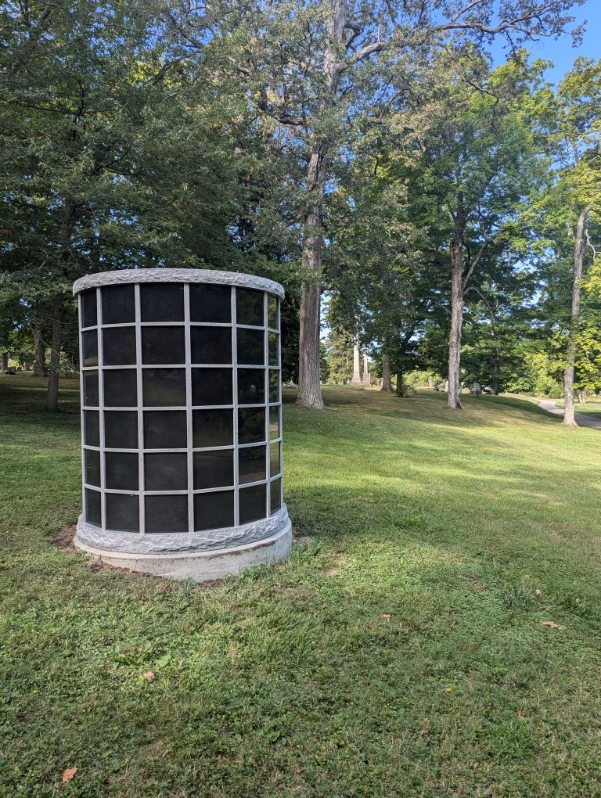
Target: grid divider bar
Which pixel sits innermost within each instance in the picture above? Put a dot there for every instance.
(266, 434)
(189, 415)
(140, 409)
(101, 434)
(235, 408)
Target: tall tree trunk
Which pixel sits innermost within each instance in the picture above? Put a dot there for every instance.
(39, 348)
(386, 374)
(58, 316)
(399, 382)
(3, 361)
(454, 401)
(568, 376)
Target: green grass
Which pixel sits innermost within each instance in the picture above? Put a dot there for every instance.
(403, 653)
(590, 408)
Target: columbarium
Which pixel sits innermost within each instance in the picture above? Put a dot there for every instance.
(181, 421)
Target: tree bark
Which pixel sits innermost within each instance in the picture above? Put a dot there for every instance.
(569, 417)
(58, 316)
(399, 382)
(39, 348)
(386, 374)
(454, 401)
(3, 361)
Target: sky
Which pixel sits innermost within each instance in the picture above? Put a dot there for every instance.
(561, 51)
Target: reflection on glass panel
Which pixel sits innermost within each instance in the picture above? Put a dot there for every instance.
(121, 429)
(163, 345)
(211, 303)
(122, 512)
(211, 344)
(251, 346)
(162, 302)
(274, 385)
(274, 422)
(90, 348)
(252, 503)
(272, 311)
(90, 388)
(166, 513)
(91, 428)
(166, 471)
(92, 464)
(165, 429)
(213, 510)
(276, 495)
(164, 387)
(251, 464)
(275, 460)
(251, 386)
(211, 386)
(214, 469)
(120, 388)
(89, 309)
(213, 428)
(118, 305)
(92, 501)
(121, 470)
(119, 346)
(273, 349)
(251, 425)
(249, 307)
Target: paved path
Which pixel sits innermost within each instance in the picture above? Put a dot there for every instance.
(582, 419)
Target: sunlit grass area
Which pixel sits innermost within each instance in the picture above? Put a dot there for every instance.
(438, 636)
(591, 407)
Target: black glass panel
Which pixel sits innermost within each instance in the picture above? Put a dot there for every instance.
(275, 465)
(163, 345)
(251, 464)
(121, 470)
(213, 510)
(90, 388)
(251, 346)
(274, 422)
(91, 428)
(121, 429)
(276, 495)
(252, 503)
(122, 512)
(211, 386)
(274, 386)
(165, 429)
(89, 313)
(273, 349)
(251, 425)
(119, 346)
(166, 471)
(92, 464)
(249, 307)
(272, 312)
(211, 344)
(92, 500)
(120, 388)
(214, 469)
(251, 386)
(213, 428)
(210, 303)
(166, 513)
(162, 302)
(90, 348)
(164, 387)
(118, 306)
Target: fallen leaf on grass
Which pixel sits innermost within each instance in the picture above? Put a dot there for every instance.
(68, 775)
(551, 624)
(149, 676)
(447, 689)
(386, 616)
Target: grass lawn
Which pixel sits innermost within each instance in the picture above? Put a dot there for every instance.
(404, 652)
(590, 408)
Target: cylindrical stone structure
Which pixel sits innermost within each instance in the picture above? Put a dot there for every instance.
(181, 421)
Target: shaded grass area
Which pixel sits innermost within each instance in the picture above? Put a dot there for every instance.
(403, 653)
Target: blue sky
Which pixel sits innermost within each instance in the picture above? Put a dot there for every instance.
(561, 52)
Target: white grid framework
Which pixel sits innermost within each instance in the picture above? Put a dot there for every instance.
(136, 488)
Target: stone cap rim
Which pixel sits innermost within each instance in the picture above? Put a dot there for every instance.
(202, 276)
